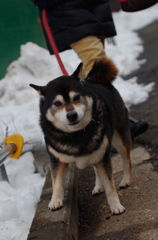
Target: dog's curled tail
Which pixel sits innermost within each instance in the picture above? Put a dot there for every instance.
(103, 71)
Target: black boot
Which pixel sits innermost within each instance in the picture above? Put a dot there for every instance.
(137, 127)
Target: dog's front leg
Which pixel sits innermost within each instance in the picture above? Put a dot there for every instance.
(58, 172)
(110, 189)
(99, 188)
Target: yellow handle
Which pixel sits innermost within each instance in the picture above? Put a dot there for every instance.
(18, 140)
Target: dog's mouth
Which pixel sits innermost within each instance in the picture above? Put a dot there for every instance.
(73, 123)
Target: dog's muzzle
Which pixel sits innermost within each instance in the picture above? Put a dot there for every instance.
(72, 117)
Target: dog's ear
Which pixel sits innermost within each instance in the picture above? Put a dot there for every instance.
(39, 89)
(78, 72)
(103, 71)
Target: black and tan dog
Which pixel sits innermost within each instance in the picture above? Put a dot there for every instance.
(81, 120)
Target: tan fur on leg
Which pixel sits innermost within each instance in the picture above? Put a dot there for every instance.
(124, 150)
(99, 188)
(110, 190)
(57, 200)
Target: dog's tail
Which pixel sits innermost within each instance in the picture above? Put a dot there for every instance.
(103, 71)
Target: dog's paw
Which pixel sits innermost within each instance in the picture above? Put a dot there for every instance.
(117, 209)
(97, 190)
(125, 183)
(55, 204)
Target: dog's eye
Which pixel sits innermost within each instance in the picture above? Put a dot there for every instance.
(76, 98)
(57, 103)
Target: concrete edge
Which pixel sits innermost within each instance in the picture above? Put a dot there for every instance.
(61, 224)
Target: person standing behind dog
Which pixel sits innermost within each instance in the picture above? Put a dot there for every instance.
(82, 25)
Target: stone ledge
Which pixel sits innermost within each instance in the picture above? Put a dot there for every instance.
(61, 224)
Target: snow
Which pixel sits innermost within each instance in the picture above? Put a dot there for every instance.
(20, 112)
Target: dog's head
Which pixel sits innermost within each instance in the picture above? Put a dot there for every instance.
(66, 102)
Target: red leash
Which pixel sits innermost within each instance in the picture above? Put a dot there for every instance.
(52, 41)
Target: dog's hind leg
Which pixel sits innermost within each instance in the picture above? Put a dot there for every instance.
(98, 184)
(123, 147)
(104, 170)
(58, 176)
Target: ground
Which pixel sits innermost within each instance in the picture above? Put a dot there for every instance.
(148, 110)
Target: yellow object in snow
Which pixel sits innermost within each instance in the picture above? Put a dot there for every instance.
(17, 141)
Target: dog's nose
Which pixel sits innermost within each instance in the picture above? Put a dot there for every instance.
(72, 116)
